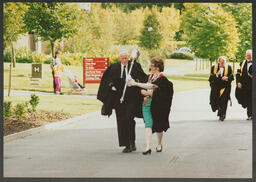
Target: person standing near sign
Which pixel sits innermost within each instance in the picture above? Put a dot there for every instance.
(58, 68)
(220, 82)
(53, 63)
(111, 90)
(244, 84)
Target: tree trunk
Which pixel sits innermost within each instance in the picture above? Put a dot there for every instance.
(13, 59)
(52, 48)
(233, 66)
(10, 80)
(196, 63)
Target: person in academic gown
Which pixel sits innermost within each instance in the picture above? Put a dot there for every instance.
(158, 94)
(220, 81)
(244, 84)
(111, 90)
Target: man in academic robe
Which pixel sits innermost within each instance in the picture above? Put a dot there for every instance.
(220, 82)
(244, 84)
(110, 92)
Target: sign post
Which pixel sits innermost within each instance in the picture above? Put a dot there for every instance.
(93, 69)
(37, 73)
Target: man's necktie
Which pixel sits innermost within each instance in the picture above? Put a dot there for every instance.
(124, 75)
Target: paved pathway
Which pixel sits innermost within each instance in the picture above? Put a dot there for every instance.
(180, 70)
(196, 146)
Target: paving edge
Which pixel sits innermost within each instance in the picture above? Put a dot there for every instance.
(46, 127)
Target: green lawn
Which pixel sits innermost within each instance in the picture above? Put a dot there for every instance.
(55, 103)
(22, 72)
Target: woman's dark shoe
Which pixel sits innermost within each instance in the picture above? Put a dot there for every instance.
(147, 152)
(222, 118)
(160, 149)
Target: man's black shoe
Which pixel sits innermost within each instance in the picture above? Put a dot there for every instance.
(127, 150)
(133, 147)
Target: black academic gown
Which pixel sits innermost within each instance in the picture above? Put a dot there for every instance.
(161, 104)
(132, 104)
(219, 101)
(244, 94)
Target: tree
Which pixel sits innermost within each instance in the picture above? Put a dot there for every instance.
(13, 25)
(150, 37)
(242, 13)
(210, 30)
(169, 19)
(129, 7)
(51, 21)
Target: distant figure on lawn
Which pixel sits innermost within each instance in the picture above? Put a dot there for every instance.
(220, 81)
(58, 68)
(244, 84)
(53, 63)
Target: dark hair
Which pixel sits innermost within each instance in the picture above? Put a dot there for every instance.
(55, 56)
(158, 63)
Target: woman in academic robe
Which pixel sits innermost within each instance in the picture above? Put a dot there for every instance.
(158, 94)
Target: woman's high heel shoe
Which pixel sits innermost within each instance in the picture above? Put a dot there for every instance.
(160, 149)
(147, 152)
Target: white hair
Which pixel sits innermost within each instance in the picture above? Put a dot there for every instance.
(224, 58)
(249, 51)
(58, 61)
(124, 51)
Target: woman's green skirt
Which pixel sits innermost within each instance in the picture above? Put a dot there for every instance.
(147, 114)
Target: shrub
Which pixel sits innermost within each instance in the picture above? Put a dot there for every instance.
(113, 60)
(47, 62)
(40, 58)
(20, 109)
(22, 55)
(179, 55)
(157, 53)
(7, 55)
(34, 101)
(7, 108)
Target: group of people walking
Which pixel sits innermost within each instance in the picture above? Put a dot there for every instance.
(220, 80)
(150, 96)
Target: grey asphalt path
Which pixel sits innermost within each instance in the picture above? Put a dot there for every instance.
(196, 146)
(180, 70)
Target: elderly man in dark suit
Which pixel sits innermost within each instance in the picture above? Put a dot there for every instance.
(110, 92)
(220, 81)
(244, 84)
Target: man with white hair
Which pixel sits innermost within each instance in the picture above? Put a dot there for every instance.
(111, 90)
(220, 81)
(244, 84)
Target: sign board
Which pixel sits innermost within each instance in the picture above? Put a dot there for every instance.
(93, 69)
(37, 70)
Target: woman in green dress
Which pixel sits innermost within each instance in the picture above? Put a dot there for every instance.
(158, 93)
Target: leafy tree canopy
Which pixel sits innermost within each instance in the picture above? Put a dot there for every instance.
(210, 30)
(51, 21)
